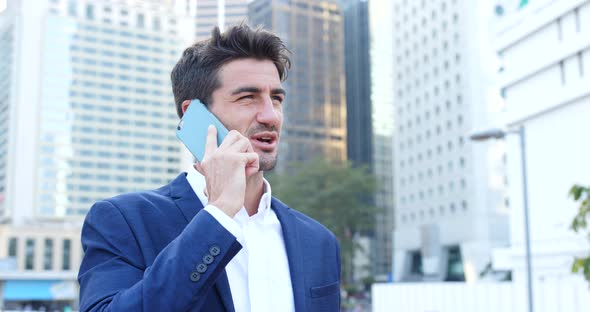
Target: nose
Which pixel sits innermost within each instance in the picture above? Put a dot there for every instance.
(268, 113)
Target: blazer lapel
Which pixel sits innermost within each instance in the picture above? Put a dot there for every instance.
(184, 197)
(294, 251)
(188, 202)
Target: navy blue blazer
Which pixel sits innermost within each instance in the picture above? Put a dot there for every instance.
(160, 251)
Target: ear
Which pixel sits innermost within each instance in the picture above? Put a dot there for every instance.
(185, 105)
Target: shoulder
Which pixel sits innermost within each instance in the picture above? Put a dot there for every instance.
(141, 198)
(309, 225)
(135, 204)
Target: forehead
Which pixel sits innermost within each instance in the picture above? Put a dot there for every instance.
(249, 72)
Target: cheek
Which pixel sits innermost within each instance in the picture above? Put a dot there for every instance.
(280, 119)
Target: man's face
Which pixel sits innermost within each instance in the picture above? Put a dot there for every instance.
(250, 101)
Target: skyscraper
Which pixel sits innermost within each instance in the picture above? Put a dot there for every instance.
(358, 82)
(449, 193)
(86, 112)
(382, 125)
(369, 83)
(315, 110)
(91, 104)
(222, 13)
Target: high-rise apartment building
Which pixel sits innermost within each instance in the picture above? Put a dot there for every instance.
(315, 109)
(450, 203)
(86, 112)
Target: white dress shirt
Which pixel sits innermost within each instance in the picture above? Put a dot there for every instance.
(258, 275)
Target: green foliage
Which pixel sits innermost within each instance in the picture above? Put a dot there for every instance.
(337, 195)
(580, 224)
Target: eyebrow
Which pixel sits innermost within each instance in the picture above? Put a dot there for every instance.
(257, 90)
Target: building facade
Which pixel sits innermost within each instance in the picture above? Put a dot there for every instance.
(544, 49)
(222, 13)
(382, 125)
(358, 82)
(315, 109)
(368, 53)
(86, 112)
(450, 198)
(39, 265)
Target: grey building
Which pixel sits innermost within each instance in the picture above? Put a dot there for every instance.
(368, 54)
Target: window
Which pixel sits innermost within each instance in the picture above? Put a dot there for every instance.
(13, 247)
(67, 245)
(416, 263)
(157, 25)
(140, 20)
(89, 11)
(29, 254)
(72, 8)
(455, 270)
(48, 255)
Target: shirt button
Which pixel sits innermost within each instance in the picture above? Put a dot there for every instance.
(201, 268)
(208, 259)
(195, 276)
(214, 250)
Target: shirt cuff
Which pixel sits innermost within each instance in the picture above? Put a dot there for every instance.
(228, 223)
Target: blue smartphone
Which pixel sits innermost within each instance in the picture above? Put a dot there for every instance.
(192, 128)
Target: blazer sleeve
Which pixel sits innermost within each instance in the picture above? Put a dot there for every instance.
(113, 276)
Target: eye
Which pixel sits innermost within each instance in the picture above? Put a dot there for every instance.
(246, 97)
(278, 98)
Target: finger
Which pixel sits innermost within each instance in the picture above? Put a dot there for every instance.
(249, 148)
(240, 145)
(230, 138)
(251, 163)
(211, 142)
(199, 168)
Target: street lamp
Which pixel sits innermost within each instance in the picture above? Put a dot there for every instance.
(500, 134)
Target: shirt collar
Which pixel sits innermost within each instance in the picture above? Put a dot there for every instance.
(198, 184)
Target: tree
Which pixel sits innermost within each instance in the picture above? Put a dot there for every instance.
(337, 195)
(579, 224)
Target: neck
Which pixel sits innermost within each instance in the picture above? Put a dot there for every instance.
(254, 191)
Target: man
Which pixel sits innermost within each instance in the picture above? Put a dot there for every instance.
(214, 239)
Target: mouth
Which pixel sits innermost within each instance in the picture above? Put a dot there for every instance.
(264, 140)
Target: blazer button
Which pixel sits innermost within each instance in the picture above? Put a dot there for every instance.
(201, 268)
(208, 259)
(195, 276)
(214, 250)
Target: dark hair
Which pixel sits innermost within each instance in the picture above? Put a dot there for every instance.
(195, 76)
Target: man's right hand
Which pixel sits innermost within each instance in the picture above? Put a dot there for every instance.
(226, 168)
